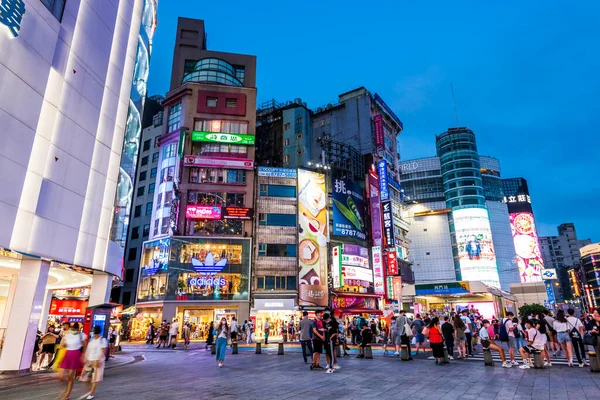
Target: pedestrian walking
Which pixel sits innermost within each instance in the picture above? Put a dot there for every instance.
(343, 338)
(436, 340)
(210, 335)
(384, 339)
(561, 325)
(318, 339)
(234, 330)
(48, 346)
(266, 330)
(187, 331)
(306, 336)
(468, 332)
(150, 334)
(366, 336)
(112, 340)
(404, 333)
(355, 330)
(331, 337)
(488, 343)
(576, 332)
(95, 354)
(553, 345)
(595, 331)
(518, 331)
(461, 337)
(223, 335)
(73, 342)
(448, 334)
(418, 326)
(173, 332)
(506, 333)
(249, 332)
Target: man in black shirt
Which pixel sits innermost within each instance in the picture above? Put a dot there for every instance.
(448, 333)
(331, 336)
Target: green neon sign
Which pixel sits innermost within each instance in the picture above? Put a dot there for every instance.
(229, 138)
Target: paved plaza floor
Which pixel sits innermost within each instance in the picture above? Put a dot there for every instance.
(192, 374)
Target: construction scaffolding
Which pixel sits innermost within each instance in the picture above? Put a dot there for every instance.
(342, 158)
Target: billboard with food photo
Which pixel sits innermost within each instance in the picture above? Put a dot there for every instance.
(348, 209)
(525, 238)
(312, 239)
(476, 254)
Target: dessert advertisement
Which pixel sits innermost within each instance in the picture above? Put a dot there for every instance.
(529, 257)
(312, 238)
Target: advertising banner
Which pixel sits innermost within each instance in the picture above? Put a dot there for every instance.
(348, 209)
(388, 224)
(378, 276)
(390, 287)
(378, 125)
(476, 253)
(529, 257)
(355, 255)
(203, 212)
(392, 262)
(397, 284)
(375, 207)
(354, 302)
(237, 213)
(336, 267)
(442, 288)
(383, 180)
(312, 239)
(218, 162)
(356, 273)
(229, 138)
(277, 172)
(68, 307)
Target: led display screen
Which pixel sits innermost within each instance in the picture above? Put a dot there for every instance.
(529, 257)
(476, 254)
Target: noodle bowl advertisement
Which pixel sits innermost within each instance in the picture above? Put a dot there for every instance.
(348, 209)
(529, 258)
(312, 239)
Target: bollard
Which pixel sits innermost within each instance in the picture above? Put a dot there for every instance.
(445, 360)
(368, 352)
(258, 348)
(538, 360)
(234, 348)
(405, 355)
(487, 358)
(338, 351)
(594, 361)
(213, 349)
(280, 349)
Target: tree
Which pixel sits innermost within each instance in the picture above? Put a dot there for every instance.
(526, 310)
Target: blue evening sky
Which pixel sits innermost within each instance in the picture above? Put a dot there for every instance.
(525, 74)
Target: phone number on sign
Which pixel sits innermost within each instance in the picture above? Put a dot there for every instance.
(350, 232)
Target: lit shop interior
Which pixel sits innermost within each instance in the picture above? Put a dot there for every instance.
(209, 279)
(456, 296)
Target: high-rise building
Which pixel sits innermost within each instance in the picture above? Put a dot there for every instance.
(196, 266)
(561, 253)
(460, 228)
(589, 282)
(65, 76)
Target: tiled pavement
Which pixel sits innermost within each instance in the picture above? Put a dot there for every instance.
(192, 374)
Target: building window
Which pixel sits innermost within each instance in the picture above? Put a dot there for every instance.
(174, 117)
(164, 229)
(277, 219)
(144, 160)
(212, 148)
(140, 191)
(151, 187)
(211, 102)
(231, 103)
(135, 233)
(216, 199)
(262, 249)
(299, 120)
(56, 7)
(269, 282)
(137, 211)
(146, 232)
(260, 282)
(286, 142)
(217, 175)
(159, 201)
(149, 208)
(153, 174)
(155, 157)
(286, 158)
(298, 136)
(147, 145)
(276, 250)
(221, 126)
(156, 224)
(129, 275)
(132, 254)
(286, 126)
(168, 199)
(143, 175)
(291, 283)
(166, 174)
(240, 73)
(127, 298)
(169, 151)
(277, 190)
(276, 282)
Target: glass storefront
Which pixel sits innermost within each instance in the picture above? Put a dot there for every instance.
(195, 269)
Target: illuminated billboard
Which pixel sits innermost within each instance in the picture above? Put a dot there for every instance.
(312, 238)
(378, 276)
(348, 209)
(229, 138)
(476, 255)
(529, 257)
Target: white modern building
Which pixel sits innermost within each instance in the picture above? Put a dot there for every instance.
(66, 72)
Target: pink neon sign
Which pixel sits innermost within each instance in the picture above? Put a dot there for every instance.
(203, 212)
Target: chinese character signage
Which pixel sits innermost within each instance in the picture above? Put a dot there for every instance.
(397, 284)
(388, 223)
(384, 193)
(375, 208)
(229, 138)
(354, 302)
(378, 276)
(378, 125)
(336, 266)
(475, 246)
(392, 262)
(348, 209)
(277, 172)
(203, 212)
(522, 198)
(442, 288)
(68, 307)
(312, 239)
(11, 15)
(218, 162)
(237, 213)
(525, 239)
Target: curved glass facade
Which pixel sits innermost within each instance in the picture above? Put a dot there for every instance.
(213, 70)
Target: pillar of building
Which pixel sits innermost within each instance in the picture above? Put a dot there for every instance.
(45, 310)
(100, 290)
(25, 313)
(169, 311)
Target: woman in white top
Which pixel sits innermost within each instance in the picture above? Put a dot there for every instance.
(223, 334)
(74, 342)
(561, 326)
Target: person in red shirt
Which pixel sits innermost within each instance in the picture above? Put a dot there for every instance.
(436, 340)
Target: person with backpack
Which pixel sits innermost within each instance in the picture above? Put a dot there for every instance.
(576, 333)
(506, 334)
(561, 325)
(553, 345)
(488, 343)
